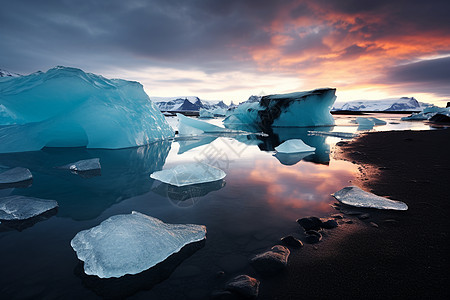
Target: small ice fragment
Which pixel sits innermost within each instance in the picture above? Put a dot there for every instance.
(190, 173)
(191, 126)
(354, 196)
(84, 165)
(370, 121)
(132, 243)
(21, 208)
(294, 146)
(344, 135)
(15, 175)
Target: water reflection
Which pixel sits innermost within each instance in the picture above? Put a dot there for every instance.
(290, 159)
(189, 143)
(186, 196)
(125, 173)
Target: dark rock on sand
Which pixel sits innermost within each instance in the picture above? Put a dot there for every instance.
(244, 285)
(391, 223)
(271, 261)
(337, 216)
(313, 236)
(364, 216)
(310, 223)
(440, 119)
(223, 295)
(292, 241)
(329, 224)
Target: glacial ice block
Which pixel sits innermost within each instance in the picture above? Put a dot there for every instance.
(294, 146)
(132, 243)
(370, 121)
(300, 109)
(15, 175)
(190, 173)
(66, 107)
(191, 126)
(343, 135)
(16, 208)
(354, 196)
(84, 165)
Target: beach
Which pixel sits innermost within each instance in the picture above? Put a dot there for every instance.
(390, 254)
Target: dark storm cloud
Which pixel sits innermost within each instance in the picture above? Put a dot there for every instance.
(432, 75)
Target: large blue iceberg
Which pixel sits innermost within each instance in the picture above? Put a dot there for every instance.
(66, 107)
(300, 109)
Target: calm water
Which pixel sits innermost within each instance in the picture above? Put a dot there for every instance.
(250, 210)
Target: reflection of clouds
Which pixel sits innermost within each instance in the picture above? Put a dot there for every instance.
(303, 186)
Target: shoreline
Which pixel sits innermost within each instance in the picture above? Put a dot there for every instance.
(405, 255)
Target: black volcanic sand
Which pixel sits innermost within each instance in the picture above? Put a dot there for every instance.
(407, 255)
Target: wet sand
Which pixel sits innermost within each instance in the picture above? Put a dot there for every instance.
(407, 255)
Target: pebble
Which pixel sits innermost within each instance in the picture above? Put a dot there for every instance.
(364, 216)
(271, 261)
(310, 223)
(373, 224)
(329, 224)
(313, 237)
(292, 241)
(337, 216)
(244, 285)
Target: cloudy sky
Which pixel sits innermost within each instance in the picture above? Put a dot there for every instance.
(230, 49)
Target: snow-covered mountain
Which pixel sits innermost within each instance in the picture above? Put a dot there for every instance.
(190, 103)
(4, 73)
(392, 104)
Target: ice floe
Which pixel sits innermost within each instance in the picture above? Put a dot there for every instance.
(131, 243)
(189, 173)
(84, 165)
(15, 175)
(354, 196)
(16, 208)
(294, 146)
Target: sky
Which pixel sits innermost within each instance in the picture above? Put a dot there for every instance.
(231, 49)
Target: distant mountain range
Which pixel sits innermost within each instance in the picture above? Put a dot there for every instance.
(392, 104)
(190, 103)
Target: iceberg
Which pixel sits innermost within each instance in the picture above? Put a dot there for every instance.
(15, 175)
(190, 173)
(191, 127)
(368, 121)
(17, 208)
(132, 243)
(426, 113)
(84, 165)
(294, 146)
(66, 107)
(300, 109)
(212, 112)
(354, 196)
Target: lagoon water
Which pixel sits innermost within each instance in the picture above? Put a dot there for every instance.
(247, 212)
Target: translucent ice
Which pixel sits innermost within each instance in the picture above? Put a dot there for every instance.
(354, 196)
(369, 121)
(191, 126)
(190, 173)
(66, 107)
(84, 165)
(301, 109)
(294, 146)
(213, 112)
(15, 175)
(22, 208)
(130, 244)
(426, 114)
(344, 135)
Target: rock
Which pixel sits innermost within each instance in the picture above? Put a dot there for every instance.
(292, 241)
(271, 261)
(222, 295)
(348, 222)
(329, 224)
(310, 223)
(244, 285)
(342, 143)
(373, 224)
(337, 216)
(391, 222)
(313, 237)
(364, 216)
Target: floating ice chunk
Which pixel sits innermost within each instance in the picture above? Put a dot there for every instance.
(15, 208)
(344, 135)
(191, 126)
(132, 243)
(426, 113)
(84, 165)
(354, 196)
(190, 173)
(294, 146)
(66, 107)
(377, 121)
(370, 121)
(290, 159)
(212, 113)
(300, 109)
(15, 175)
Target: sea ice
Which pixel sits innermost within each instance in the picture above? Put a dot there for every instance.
(370, 121)
(16, 208)
(294, 146)
(132, 243)
(66, 107)
(354, 196)
(191, 126)
(301, 109)
(15, 175)
(426, 113)
(190, 173)
(84, 165)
